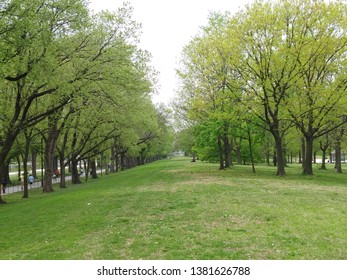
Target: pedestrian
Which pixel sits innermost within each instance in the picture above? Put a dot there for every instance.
(56, 173)
(31, 180)
(4, 183)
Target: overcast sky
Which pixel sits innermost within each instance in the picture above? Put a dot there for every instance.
(167, 26)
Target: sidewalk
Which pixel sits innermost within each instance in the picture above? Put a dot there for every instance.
(35, 185)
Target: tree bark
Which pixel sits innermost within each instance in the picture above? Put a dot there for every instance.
(25, 163)
(93, 169)
(303, 153)
(227, 151)
(338, 165)
(122, 161)
(250, 149)
(74, 172)
(220, 153)
(279, 155)
(324, 147)
(49, 156)
(34, 163)
(308, 156)
(62, 170)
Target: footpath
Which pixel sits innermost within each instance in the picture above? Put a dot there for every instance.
(35, 185)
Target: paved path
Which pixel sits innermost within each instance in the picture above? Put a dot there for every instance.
(35, 185)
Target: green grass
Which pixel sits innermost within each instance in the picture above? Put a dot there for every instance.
(176, 209)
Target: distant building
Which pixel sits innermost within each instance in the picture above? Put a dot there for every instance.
(333, 156)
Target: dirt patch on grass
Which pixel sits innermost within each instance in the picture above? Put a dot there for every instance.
(160, 187)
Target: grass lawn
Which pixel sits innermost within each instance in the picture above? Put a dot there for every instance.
(176, 209)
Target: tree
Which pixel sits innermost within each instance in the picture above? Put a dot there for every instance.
(28, 61)
(260, 49)
(318, 100)
(204, 73)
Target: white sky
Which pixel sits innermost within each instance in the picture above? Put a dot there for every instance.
(167, 26)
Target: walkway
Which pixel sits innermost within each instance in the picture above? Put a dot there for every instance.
(35, 185)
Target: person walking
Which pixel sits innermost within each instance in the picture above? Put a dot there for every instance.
(31, 180)
(4, 184)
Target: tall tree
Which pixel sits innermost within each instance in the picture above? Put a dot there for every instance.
(28, 61)
(260, 48)
(318, 100)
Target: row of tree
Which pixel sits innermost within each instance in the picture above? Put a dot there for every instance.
(272, 75)
(75, 86)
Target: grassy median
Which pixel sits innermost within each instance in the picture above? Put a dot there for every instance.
(175, 209)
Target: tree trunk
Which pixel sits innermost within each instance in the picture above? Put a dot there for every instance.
(113, 160)
(25, 163)
(324, 147)
(61, 161)
(49, 156)
(6, 146)
(117, 163)
(303, 153)
(275, 157)
(291, 157)
(122, 161)
(279, 155)
(74, 172)
(93, 168)
(34, 163)
(324, 151)
(227, 151)
(87, 168)
(220, 153)
(238, 154)
(338, 166)
(250, 149)
(19, 172)
(268, 159)
(25, 175)
(308, 157)
(62, 171)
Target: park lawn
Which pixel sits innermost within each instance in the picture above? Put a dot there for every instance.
(176, 209)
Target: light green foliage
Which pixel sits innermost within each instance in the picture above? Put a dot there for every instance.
(79, 76)
(281, 62)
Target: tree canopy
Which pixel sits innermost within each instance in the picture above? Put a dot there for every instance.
(79, 82)
(276, 65)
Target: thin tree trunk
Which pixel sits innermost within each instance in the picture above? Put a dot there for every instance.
(62, 171)
(323, 159)
(25, 163)
(303, 153)
(338, 165)
(238, 153)
(34, 163)
(250, 149)
(220, 152)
